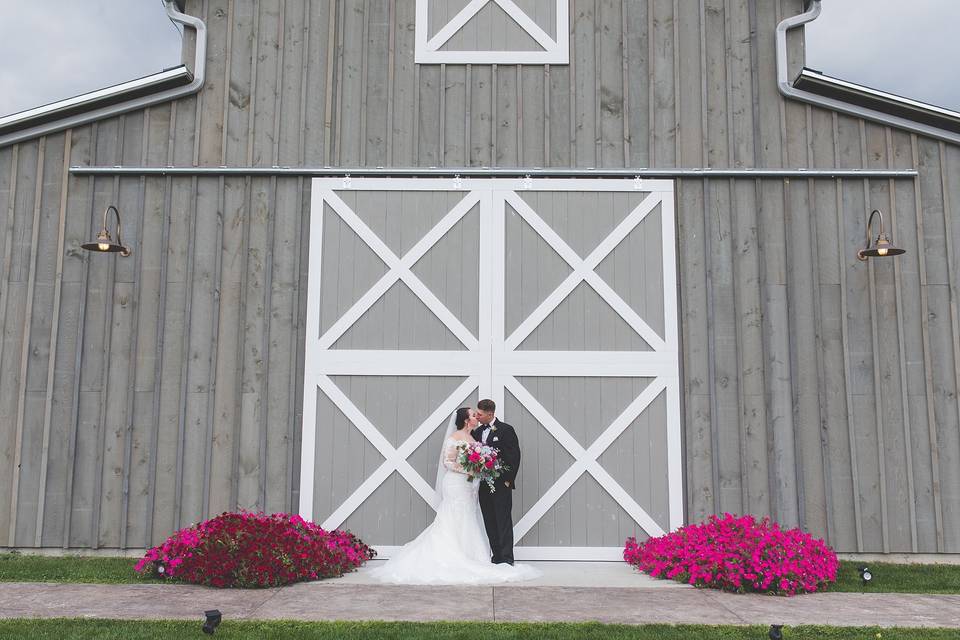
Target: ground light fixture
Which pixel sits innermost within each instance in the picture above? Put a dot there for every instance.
(213, 621)
(881, 247)
(776, 632)
(866, 575)
(104, 242)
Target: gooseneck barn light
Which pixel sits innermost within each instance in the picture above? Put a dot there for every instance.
(104, 242)
(880, 248)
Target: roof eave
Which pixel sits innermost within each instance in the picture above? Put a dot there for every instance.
(166, 79)
(813, 81)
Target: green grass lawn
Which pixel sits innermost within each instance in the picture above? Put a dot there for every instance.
(888, 578)
(68, 628)
(898, 578)
(16, 567)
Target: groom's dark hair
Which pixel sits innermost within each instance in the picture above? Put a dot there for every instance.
(487, 405)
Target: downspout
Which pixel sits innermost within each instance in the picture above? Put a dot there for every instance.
(787, 90)
(198, 72)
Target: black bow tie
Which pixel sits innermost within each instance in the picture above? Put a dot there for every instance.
(484, 426)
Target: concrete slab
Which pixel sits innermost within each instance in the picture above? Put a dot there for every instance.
(555, 574)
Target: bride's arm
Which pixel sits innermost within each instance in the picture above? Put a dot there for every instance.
(450, 459)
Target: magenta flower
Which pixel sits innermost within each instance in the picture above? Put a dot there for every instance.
(737, 554)
(254, 550)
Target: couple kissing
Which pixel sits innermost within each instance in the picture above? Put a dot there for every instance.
(471, 539)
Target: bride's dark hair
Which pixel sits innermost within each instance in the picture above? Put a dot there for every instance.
(463, 414)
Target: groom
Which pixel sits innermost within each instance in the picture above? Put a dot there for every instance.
(497, 507)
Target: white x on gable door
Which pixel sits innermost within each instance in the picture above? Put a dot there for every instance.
(556, 298)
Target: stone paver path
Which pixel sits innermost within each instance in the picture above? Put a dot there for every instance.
(568, 592)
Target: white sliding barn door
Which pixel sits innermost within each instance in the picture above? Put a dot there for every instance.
(556, 298)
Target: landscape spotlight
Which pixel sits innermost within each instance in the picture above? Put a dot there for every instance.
(866, 574)
(776, 632)
(213, 620)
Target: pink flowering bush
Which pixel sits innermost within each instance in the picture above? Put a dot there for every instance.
(254, 550)
(738, 554)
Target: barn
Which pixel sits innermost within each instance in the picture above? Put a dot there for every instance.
(634, 224)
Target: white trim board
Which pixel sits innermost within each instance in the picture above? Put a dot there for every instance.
(490, 361)
(428, 49)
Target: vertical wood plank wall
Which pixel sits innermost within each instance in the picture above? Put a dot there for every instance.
(139, 395)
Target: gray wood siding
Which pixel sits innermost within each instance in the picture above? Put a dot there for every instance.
(139, 395)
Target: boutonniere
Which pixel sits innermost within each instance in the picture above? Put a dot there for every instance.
(493, 429)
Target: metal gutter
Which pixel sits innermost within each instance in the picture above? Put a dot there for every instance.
(165, 86)
(153, 83)
(847, 93)
(475, 172)
(814, 81)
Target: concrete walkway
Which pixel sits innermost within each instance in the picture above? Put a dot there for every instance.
(568, 592)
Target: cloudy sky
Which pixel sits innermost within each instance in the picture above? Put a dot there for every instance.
(54, 49)
(907, 47)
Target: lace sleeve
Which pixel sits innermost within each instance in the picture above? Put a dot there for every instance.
(450, 457)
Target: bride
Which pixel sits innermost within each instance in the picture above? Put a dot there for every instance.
(454, 548)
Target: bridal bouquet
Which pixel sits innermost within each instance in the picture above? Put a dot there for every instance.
(480, 461)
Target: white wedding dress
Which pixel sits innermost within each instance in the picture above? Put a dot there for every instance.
(454, 548)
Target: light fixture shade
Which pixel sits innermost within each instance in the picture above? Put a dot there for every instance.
(104, 242)
(882, 247)
(110, 247)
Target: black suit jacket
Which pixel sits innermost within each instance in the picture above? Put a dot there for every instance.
(509, 446)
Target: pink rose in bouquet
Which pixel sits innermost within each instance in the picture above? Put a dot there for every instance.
(480, 461)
